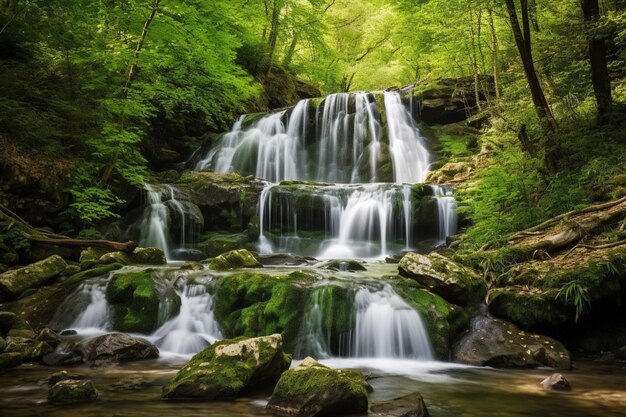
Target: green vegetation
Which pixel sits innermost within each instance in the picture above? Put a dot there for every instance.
(135, 301)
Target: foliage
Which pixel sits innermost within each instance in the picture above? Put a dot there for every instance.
(575, 293)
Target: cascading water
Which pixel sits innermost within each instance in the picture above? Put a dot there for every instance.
(86, 309)
(446, 208)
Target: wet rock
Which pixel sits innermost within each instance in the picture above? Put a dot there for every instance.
(135, 301)
(62, 376)
(411, 405)
(350, 266)
(6, 322)
(114, 347)
(21, 328)
(10, 360)
(16, 281)
(455, 283)
(90, 257)
(69, 332)
(140, 256)
(556, 382)
(30, 349)
(313, 389)
(284, 259)
(497, 343)
(241, 258)
(49, 336)
(227, 367)
(72, 391)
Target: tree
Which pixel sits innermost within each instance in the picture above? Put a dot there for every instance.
(597, 59)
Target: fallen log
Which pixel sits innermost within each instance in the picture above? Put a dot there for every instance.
(104, 244)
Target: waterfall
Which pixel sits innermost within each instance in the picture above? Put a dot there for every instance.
(383, 326)
(446, 209)
(194, 328)
(387, 327)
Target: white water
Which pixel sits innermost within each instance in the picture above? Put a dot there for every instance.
(96, 316)
(446, 208)
(194, 328)
(387, 327)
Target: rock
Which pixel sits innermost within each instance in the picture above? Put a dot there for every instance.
(8, 256)
(62, 376)
(69, 332)
(528, 307)
(10, 360)
(313, 389)
(285, 259)
(452, 173)
(29, 349)
(72, 391)
(305, 90)
(215, 243)
(90, 257)
(556, 382)
(117, 347)
(62, 356)
(135, 301)
(140, 256)
(6, 322)
(350, 266)
(455, 283)
(411, 405)
(497, 343)
(21, 328)
(241, 258)
(227, 367)
(3, 344)
(14, 282)
(49, 336)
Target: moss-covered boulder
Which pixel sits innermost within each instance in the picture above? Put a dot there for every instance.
(497, 343)
(235, 259)
(444, 321)
(135, 301)
(140, 256)
(10, 360)
(72, 391)
(90, 257)
(214, 243)
(257, 304)
(411, 405)
(14, 282)
(29, 349)
(454, 282)
(113, 347)
(530, 308)
(228, 367)
(313, 389)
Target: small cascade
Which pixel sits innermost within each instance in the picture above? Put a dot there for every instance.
(194, 327)
(381, 325)
(86, 309)
(446, 208)
(387, 327)
(164, 214)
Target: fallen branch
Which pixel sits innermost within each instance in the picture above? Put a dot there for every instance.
(596, 247)
(104, 244)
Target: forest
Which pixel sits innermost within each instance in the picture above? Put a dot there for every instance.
(402, 196)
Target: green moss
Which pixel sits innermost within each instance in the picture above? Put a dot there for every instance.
(135, 301)
(529, 308)
(257, 304)
(241, 258)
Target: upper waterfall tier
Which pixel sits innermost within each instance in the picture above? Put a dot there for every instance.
(348, 138)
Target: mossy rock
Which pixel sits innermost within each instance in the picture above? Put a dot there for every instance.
(235, 259)
(351, 266)
(455, 283)
(14, 282)
(228, 367)
(140, 256)
(10, 360)
(90, 257)
(531, 308)
(251, 305)
(6, 322)
(29, 349)
(214, 244)
(3, 344)
(313, 389)
(135, 301)
(72, 391)
(444, 321)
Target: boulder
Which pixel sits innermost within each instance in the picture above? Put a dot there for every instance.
(241, 258)
(117, 347)
(135, 301)
(64, 354)
(313, 389)
(455, 283)
(228, 367)
(497, 343)
(62, 376)
(90, 257)
(29, 349)
(350, 266)
(14, 282)
(10, 360)
(6, 322)
(21, 328)
(291, 259)
(411, 405)
(140, 256)
(528, 307)
(556, 382)
(49, 336)
(72, 391)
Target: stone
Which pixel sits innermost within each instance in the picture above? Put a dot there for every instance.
(277, 259)
(241, 258)
(10, 360)
(16, 281)
(21, 328)
(455, 283)
(350, 266)
(528, 307)
(6, 322)
(140, 256)
(90, 257)
(71, 391)
(411, 405)
(228, 367)
(312, 389)
(497, 343)
(556, 382)
(3, 344)
(30, 349)
(49, 336)
(62, 376)
(135, 301)
(113, 347)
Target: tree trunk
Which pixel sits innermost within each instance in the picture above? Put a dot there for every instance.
(494, 55)
(274, 27)
(291, 50)
(523, 42)
(597, 59)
